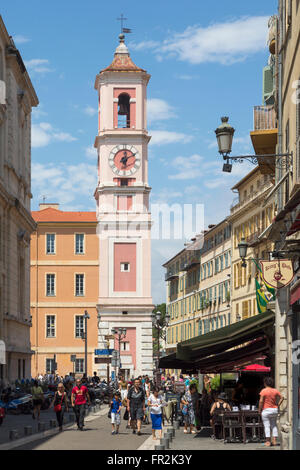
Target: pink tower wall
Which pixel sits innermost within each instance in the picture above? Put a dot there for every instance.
(124, 281)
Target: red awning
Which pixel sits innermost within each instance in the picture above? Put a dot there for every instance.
(295, 292)
(256, 368)
(295, 227)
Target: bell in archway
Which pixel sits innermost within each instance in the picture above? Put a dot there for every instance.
(123, 105)
(123, 109)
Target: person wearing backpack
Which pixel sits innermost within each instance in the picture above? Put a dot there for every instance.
(60, 402)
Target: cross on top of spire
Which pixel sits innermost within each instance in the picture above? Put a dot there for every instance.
(122, 19)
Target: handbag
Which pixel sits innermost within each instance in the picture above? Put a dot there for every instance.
(109, 414)
(126, 415)
(58, 407)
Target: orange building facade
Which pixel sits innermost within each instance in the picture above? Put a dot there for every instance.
(64, 283)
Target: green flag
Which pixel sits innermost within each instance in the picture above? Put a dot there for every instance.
(261, 300)
(269, 288)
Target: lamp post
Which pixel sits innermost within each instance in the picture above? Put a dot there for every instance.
(121, 332)
(225, 133)
(159, 325)
(243, 248)
(84, 337)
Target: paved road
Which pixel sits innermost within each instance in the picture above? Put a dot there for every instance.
(96, 436)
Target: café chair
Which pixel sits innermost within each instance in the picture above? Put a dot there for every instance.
(217, 424)
(233, 429)
(252, 423)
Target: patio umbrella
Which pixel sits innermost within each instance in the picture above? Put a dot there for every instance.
(256, 368)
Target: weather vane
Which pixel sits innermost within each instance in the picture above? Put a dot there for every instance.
(124, 30)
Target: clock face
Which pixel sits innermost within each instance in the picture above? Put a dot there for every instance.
(124, 160)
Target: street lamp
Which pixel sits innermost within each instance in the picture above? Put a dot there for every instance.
(159, 326)
(84, 337)
(121, 332)
(243, 247)
(225, 133)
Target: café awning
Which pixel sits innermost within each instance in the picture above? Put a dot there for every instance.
(171, 362)
(221, 340)
(228, 361)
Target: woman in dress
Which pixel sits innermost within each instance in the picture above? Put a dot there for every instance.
(156, 403)
(188, 412)
(60, 403)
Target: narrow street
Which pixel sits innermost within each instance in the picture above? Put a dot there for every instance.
(96, 436)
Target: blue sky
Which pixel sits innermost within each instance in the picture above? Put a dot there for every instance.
(206, 61)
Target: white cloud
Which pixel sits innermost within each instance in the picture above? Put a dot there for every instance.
(20, 39)
(224, 43)
(167, 137)
(91, 152)
(188, 167)
(159, 110)
(66, 184)
(38, 65)
(144, 45)
(90, 111)
(43, 134)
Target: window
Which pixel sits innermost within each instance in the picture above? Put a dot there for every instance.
(50, 285)
(79, 243)
(50, 365)
(79, 366)
(79, 326)
(50, 326)
(125, 267)
(79, 285)
(125, 346)
(50, 245)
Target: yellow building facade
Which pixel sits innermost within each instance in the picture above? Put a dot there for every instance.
(198, 287)
(64, 283)
(251, 220)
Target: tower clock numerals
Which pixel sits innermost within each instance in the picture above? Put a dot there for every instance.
(124, 160)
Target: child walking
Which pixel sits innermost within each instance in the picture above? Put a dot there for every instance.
(116, 406)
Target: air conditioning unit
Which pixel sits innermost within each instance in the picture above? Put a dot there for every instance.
(2, 92)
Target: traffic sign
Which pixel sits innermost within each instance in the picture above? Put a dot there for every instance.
(102, 360)
(109, 337)
(103, 352)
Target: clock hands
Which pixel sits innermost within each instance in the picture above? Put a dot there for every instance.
(125, 158)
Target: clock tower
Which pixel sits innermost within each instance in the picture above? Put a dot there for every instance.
(124, 220)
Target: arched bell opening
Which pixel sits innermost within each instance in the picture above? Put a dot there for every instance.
(124, 110)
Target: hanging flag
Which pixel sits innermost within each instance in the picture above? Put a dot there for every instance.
(270, 289)
(261, 300)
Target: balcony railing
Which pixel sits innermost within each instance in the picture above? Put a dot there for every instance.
(264, 118)
(170, 275)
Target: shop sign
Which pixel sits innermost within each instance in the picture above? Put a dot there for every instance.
(277, 274)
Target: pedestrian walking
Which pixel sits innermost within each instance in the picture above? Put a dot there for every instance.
(188, 412)
(136, 406)
(155, 404)
(60, 403)
(37, 399)
(116, 405)
(269, 403)
(123, 388)
(79, 398)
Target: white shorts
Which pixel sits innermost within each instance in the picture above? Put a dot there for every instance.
(116, 418)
